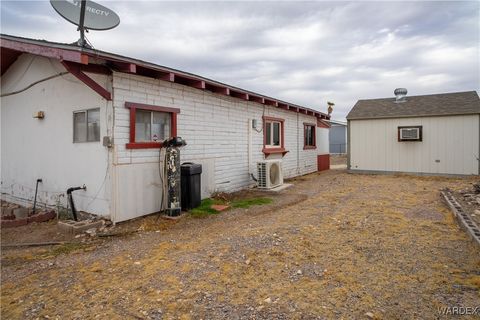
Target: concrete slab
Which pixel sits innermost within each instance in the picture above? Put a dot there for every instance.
(20, 213)
(279, 188)
(74, 227)
(167, 217)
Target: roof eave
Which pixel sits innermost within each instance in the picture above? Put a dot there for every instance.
(413, 116)
(83, 56)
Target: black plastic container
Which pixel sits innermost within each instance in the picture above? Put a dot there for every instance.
(191, 185)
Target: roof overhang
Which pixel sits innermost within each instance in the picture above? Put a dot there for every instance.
(89, 60)
(412, 116)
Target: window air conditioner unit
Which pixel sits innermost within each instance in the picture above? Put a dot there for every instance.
(270, 174)
(412, 133)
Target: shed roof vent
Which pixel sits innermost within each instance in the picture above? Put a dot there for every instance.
(400, 94)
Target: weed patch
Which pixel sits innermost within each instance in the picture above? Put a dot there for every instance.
(205, 206)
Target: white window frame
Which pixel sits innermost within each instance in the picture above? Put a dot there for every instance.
(86, 125)
(269, 144)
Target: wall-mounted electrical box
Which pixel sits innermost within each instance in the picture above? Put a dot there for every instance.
(254, 123)
(107, 141)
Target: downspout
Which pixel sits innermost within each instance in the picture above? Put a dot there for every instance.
(249, 146)
(249, 149)
(113, 158)
(298, 145)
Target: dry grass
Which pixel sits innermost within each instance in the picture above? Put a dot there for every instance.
(356, 241)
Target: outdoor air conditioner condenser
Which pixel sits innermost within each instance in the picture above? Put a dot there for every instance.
(269, 174)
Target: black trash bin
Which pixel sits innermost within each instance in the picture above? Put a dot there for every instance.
(191, 185)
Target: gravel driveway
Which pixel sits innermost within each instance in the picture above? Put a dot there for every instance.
(343, 246)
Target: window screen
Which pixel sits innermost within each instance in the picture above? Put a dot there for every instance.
(143, 121)
(268, 133)
(152, 126)
(86, 125)
(161, 126)
(79, 127)
(310, 135)
(276, 134)
(93, 123)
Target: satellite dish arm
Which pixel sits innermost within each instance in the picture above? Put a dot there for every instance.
(81, 24)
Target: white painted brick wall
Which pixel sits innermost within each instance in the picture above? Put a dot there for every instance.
(214, 126)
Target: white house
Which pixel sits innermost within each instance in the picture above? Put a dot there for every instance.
(429, 134)
(73, 116)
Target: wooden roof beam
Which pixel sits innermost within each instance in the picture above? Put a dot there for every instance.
(238, 94)
(76, 71)
(194, 83)
(217, 89)
(271, 102)
(124, 67)
(256, 99)
(166, 76)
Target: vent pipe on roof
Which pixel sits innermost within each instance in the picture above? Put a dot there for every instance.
(400, 94)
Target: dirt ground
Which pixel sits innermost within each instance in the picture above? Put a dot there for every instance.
(338, 159)
(334, 246)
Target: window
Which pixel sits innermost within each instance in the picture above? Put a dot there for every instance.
(309, 136)
(272, 130)
(150, 125)
(273, 139)
(410, 133)
(86, 125)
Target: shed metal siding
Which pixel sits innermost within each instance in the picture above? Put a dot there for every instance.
(450, 145)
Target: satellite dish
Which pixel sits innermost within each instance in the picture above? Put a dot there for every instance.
(97, 17)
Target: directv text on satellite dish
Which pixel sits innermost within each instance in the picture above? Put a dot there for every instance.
(78, 4)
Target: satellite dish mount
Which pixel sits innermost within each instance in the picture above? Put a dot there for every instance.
(81, 27)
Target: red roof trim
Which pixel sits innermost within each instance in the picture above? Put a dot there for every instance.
(151, 107)
(45, 51)
(65, 52)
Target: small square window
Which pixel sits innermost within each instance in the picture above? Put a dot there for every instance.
(86, 125)
(272, 134)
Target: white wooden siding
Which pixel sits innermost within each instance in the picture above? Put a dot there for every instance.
(452, 140)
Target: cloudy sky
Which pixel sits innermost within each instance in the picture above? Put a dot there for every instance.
(302, 52)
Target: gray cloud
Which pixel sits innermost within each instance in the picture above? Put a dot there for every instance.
(302, 52)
